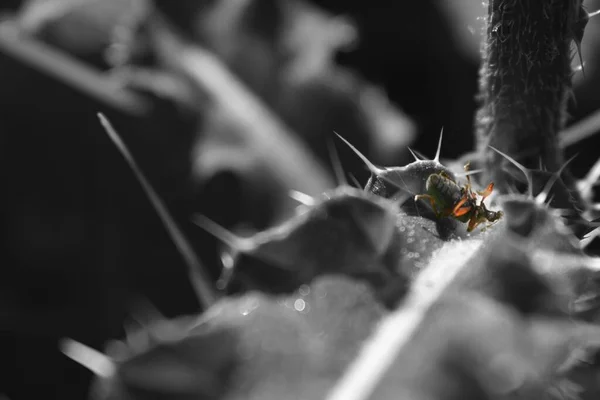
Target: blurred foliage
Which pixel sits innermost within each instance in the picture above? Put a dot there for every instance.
(82, 244)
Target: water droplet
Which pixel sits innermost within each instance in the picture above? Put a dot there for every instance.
(410, 240)
(248, 306)
(401, 229)
(299, 305)
(304, 290)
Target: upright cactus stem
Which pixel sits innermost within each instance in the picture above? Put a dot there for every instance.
(525, 81)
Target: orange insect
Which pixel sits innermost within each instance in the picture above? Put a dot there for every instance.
(448, 199)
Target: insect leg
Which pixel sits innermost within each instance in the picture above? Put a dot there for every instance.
(473, 222)
(485, 193)
(431, 201)
(458, 205)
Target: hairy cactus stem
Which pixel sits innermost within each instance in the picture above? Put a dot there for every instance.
(525, 81)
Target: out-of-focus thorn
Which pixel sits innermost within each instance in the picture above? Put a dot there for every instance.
(527, 172)
(589, 238)
(439, 148)
(593, 14)
(592, 178)
(543, 195)
(198, 275)
(69, 71)
(302, 198)
(225, 236)
(92, 359)
(582, 130)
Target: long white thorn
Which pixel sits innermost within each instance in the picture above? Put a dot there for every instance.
(592, 177)
(526, 172)
(198, 275)
(439, 148)
(235, 242)
(374, 170)
(100, 364)
(420, 155)
(340, 175)
(413, 154)
(543, 195)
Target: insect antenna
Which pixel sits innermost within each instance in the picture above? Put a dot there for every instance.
(100, 364)
(580, 131)
(374, 170)
(228, 263)
(198, 275)
(527, 172)
(243, 245)
(564, 212)
(542, 196)
(302, 198)
(154, 325)
(439, 148)
(338, 169)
